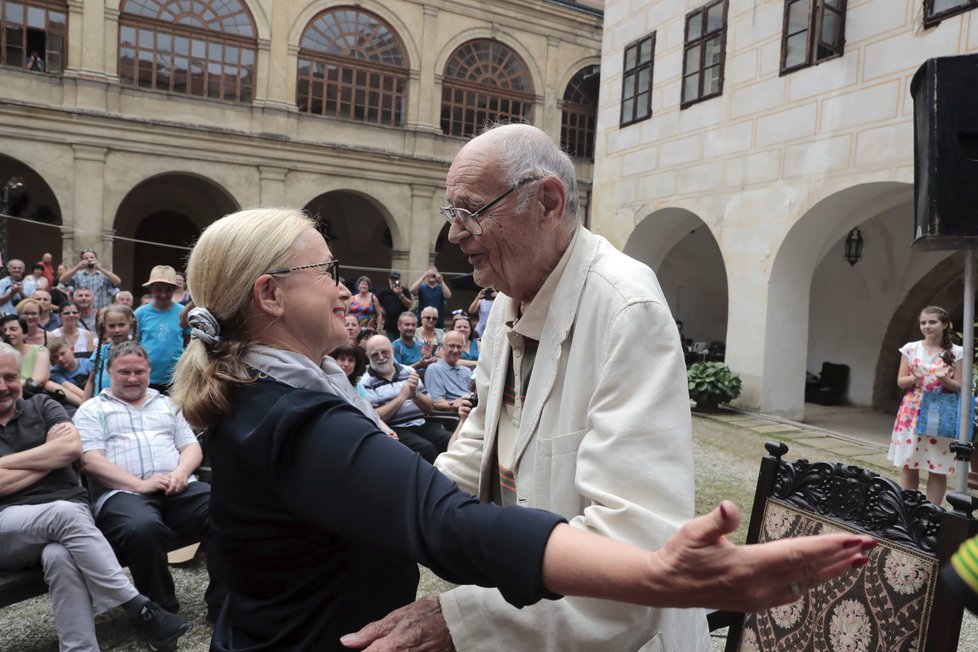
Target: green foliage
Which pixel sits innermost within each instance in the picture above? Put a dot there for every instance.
(712, 383)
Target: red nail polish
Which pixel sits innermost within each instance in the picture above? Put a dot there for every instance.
(723, 511)
(849, 543)
(869, 545)
(859, 562)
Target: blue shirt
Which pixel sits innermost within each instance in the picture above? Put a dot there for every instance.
(404, 354)
(161, 335)
(434, 297)
(78, 376)
(447, 383)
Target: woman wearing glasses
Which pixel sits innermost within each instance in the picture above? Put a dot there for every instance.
(319, 519)
(430, 335)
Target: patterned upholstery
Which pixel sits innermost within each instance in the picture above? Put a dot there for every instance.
(895, 603)
(882, 607)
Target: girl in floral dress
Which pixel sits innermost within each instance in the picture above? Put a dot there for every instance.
(928, 365)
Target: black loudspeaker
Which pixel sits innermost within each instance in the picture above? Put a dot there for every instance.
(945, 95)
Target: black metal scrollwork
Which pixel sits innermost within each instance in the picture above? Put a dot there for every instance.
(861, 499)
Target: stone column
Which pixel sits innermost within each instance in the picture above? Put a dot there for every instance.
(550, 121)
(272, 190)
(424, 94)
(90, 223)
(424, 225)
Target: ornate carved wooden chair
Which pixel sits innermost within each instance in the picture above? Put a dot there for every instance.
(896, 602)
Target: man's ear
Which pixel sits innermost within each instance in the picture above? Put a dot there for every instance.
(268, 296)
(553, 197)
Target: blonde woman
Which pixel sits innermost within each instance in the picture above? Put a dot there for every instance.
(30, 311)
(429, 335)
(302, 517)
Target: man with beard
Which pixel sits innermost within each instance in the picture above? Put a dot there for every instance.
(140, 454)
(400, 399)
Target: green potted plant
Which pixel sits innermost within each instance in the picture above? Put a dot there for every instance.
(712, 383)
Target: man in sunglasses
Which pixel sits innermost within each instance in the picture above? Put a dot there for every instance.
(584, 409)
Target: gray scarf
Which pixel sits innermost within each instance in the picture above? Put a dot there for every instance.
(296, 370)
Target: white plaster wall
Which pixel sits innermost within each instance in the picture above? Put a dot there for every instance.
(755, 161)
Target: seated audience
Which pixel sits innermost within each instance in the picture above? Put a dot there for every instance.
(80, 340)
(87, 314)
(68, 371)
(470, 346)
(365, 334)
(352, 327)
(117, 325)
(409, 351)
(352, 360)
(429, 334)
(400, 399)
(30, 311)
(124, 297)
(49, 319)
(14, 287)
(447, 380)
(140, 455)
(45, 519)
(35, 368)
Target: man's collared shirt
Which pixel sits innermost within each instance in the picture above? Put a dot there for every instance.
(141, 441)
(28, 428)
(27, 289)
(446, 382)
(524, 334)
(100, 285)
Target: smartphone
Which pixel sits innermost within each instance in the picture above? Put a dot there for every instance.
(397, 283)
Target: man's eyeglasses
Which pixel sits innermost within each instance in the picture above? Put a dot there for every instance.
(333, 266)
(468, 220)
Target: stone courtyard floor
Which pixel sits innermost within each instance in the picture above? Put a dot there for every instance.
(727, 449)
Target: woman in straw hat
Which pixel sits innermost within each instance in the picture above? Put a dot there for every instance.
(320, 519)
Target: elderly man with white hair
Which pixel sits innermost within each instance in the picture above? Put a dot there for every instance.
(400, 399)
(576, 329)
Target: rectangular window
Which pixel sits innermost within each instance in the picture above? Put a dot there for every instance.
(32, 37)
(636, 82)
(814, 31)
(937, 10)
(703, 53)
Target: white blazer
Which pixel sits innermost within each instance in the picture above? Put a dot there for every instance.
(604, 440)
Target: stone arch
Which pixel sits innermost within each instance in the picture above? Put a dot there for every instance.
(682, 250)
(808, 270)
(166, 212)
(359, 230)
(943, 285)
(36, 212)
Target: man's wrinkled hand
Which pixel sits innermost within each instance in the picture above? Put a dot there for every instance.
(159, 482)
(418, 627)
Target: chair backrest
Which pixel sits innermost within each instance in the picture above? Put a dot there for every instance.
(834, 376)
(894, 603)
